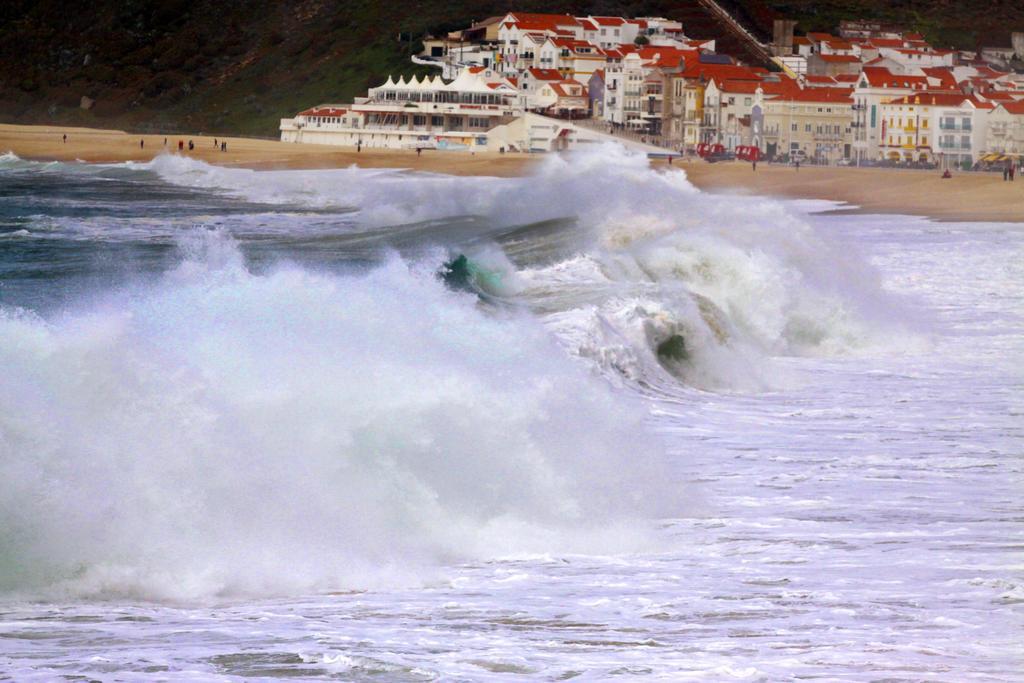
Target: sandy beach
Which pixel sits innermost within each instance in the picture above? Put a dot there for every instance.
(965, 197)
(45, 143)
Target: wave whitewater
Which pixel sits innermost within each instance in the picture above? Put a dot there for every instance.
(223, 432)
(740, 279)
(216, 430)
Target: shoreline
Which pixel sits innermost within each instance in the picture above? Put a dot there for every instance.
(981, 197)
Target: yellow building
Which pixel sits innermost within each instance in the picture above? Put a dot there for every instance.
(809, 123)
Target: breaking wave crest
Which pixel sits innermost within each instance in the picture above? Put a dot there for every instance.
(220, 432)
(736, 279)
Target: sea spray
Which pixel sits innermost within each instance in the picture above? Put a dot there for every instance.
(220, 432)
(783, 287)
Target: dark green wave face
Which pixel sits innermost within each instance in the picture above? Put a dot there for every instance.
(67, 230)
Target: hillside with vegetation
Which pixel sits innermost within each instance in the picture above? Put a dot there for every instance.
(199, 65)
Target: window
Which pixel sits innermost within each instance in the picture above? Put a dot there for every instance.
(419, 120)
(747, 101)
(455, 121)
(436, 120)
(807, 128)
(793, 127)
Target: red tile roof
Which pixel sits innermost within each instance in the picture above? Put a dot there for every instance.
(880, 77)
(545, 74)
(1016, 108)
(887, 42)
(695, 69)
(940, 99)
(568, 89)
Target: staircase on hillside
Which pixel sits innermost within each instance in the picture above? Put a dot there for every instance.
(709, 19)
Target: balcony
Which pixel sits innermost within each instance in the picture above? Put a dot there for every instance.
(953, 126)
(859, 107)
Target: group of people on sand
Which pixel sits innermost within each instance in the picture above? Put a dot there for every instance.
(222, 145)
(1009, 171)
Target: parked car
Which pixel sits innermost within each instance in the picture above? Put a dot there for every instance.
(720, 156)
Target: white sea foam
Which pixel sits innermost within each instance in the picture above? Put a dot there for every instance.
(738, 277)
(222, 432)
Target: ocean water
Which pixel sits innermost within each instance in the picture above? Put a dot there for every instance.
(247, 431)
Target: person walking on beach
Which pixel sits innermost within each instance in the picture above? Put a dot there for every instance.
(165, 143)
(753, 164)
(797, 165)
(1013, 170)
(223, 146)
(1006, 173)
(191, 145)
(181, 145)
(359, 146)
(142, 143)
(65, 138)
(215, 145)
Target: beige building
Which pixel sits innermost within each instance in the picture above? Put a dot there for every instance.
(812, 123)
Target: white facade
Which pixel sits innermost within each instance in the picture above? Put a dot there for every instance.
(1006, 129)
(624, 90)
(945, 128)
(414, 113)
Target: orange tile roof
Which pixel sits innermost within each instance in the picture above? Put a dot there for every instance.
(545, 74)
(879, 76)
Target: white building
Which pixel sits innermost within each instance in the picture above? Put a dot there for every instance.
(949, 128)
(414, 113)
(1006, 129)
(875, 86)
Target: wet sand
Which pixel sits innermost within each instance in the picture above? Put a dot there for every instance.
(965, 197)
